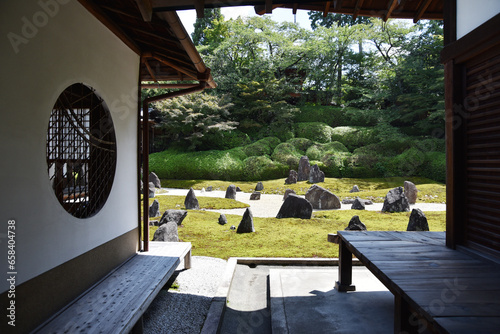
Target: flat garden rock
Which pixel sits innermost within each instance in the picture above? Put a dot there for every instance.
(255, 196)
(295, 207)
(176, 216)
(323, 199)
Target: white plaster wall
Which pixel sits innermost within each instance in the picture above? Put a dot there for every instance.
(472, 13)
(68, 46)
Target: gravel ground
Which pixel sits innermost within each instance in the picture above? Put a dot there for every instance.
(184, 310)
(269, 205)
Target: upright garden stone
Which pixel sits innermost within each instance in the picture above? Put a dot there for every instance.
(222, 219)
(316, 175)
(411, 192)
(304, 169)
(151, 192)
(355, 224)
(191, 202)
(210, 188)
(152, 177)
(288, 192)
(418, 221)
(238, 189)
(231, 192)
(255, 196)
(259, 186)
(176, 216)
(320, 198)
(396, 201)
(292, 177)
(167, 232)
(154, 209)
(246, 224)
(295, 207)
(355, 189)
(358, 205)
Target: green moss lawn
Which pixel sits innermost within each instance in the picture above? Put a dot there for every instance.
(290, 237)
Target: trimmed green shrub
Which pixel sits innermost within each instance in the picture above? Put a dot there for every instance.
(354, 136)
(318, 151)
(301, 144)
(335, 163)
(315, 131)
(360, 117)
(264, 146)
(287, 154)
(211, 165)
(263, 168)
(224, 140)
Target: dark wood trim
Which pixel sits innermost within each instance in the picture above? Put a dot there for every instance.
(477, 41)
(115, 29)
(450, 21)
(41, 297)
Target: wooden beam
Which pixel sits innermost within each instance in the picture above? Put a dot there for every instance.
(199, 5)
(168, 86)
(174, 66)
(295, 7)
(327, 8)
(269, 6)
(421, 10)
(338, 5)
(357, 7)
(111, 25)
(150, 70)
(390, 8)
(146, 9)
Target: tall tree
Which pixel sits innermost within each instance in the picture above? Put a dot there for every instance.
(319, 20)
(204, 23)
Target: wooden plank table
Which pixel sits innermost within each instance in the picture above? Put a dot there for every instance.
(117, 303)
(436, 288)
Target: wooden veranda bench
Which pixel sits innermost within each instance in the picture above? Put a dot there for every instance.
(116, 303)
(435, 288)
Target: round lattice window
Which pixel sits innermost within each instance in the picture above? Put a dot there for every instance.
(81, 151)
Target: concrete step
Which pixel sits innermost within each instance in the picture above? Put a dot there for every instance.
(305, 301)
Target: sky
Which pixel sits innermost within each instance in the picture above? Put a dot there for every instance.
(188, 17)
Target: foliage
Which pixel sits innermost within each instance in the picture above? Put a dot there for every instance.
(212, 16)
(316, 131)
(187, 119)
(287, 154)
(354, 136)
(263, 168)
(264, 146)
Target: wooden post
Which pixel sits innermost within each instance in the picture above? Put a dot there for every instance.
(145, 175)
(344, 283)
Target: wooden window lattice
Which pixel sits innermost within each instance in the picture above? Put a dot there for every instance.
(81, 151)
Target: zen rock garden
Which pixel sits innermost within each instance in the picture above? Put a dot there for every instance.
(293, 206)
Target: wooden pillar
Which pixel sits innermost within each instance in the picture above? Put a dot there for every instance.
(344, 283)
